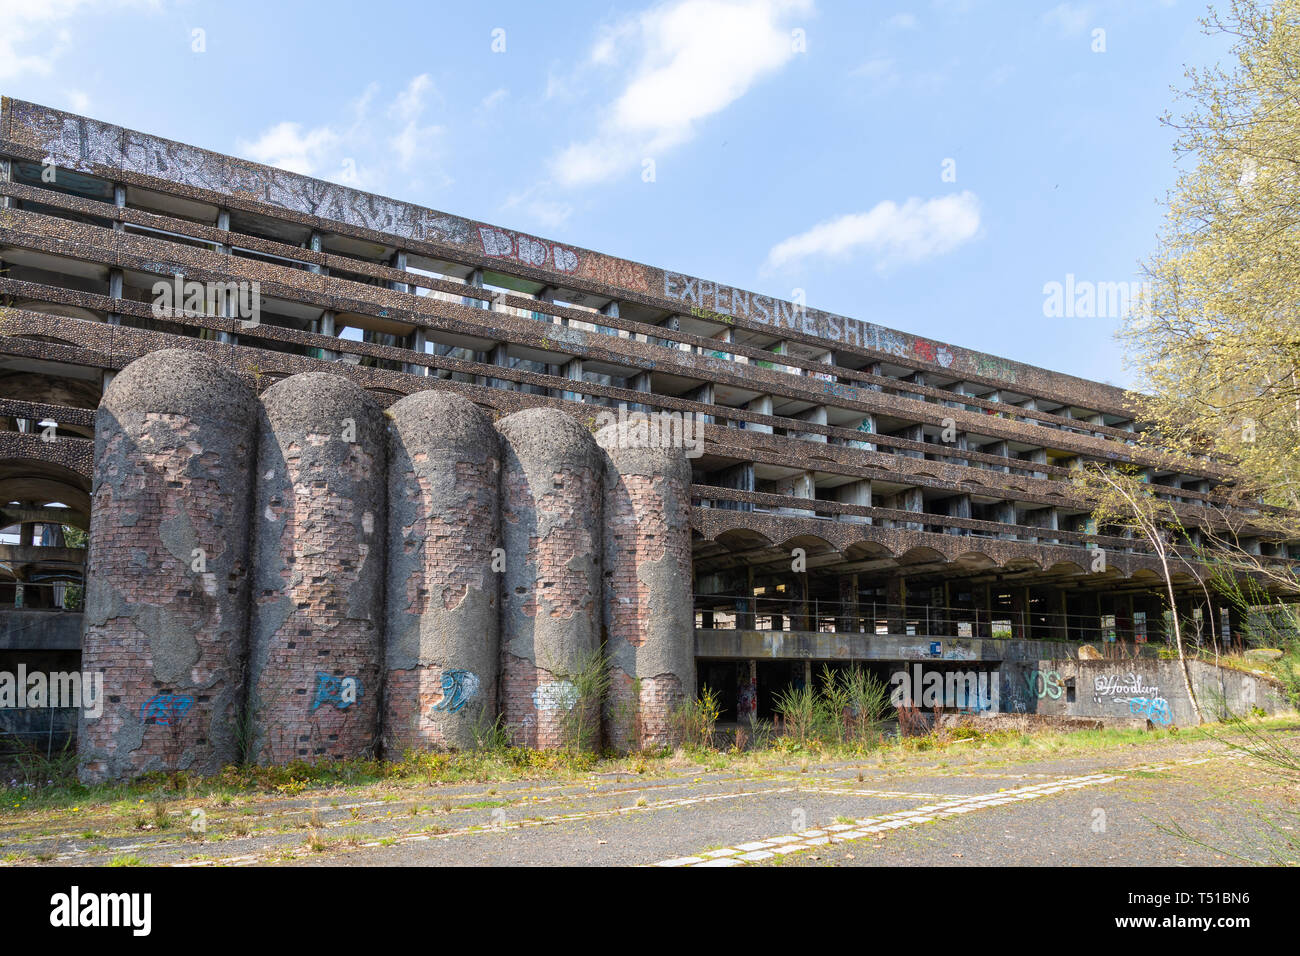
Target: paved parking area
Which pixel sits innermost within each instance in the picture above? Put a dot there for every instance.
(1112, 807)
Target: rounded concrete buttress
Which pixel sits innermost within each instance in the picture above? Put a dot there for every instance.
(649, 613)
(167, 582)
(442, 640)
(550, 622)
(318, 572)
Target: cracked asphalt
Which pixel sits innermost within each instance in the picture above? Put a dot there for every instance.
(1191, 802)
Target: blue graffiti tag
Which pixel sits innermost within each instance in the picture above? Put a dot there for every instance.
(165, 708)
(1155, 708)
(459, 687)
(342, 692)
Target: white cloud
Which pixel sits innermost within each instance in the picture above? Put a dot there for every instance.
(78, 101)
(902, 21)
(288, 146)
(493, 99)
(414, 141)
(410, 102)
(36, 32)
(692, 59)
(894, 234)
(364, 150)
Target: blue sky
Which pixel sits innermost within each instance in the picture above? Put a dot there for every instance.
(927, 166)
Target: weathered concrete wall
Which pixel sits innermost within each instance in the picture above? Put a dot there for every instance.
(1122, 690)
(648, 610)
(551, 595)
(167, 597)
(829, 646)
(318, 572)
(443, 610)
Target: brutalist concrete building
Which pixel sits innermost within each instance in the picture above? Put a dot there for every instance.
(817, 490)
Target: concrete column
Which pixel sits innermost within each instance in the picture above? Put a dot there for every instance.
(855, 493)
(1020, 613)
(1005, 512)
(761, 405)
(745, 603)
(610, 309)
(1052, 522)
(223, 336)
(959, 507)
(867, 426)
(703, 394)
(315, 632)
(799, 612)
(674, 324)
(115, 292)
(871, 369)
(779, 349)
(997, 448)
(916, 378)
(725, 337)
(739, 476)
(912, 433)
(551, 493)
(501, 359)
(167, 586)
(314, 244)
(1039, 457)
(442, 639)
(327, 328)
(983, 600)
(896, 601)
(475, 279)
(848, 620)
(911, 499)
(798, 486)
(573, 372)
(639, 383)
(648, 605)
(747, 692)
(223, 224)
(816, 415)
(119, 200)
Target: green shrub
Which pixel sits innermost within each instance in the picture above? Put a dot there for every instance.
(694, 721)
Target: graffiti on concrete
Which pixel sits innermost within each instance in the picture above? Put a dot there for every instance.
(459, 687)
(932, 352)
(530, 251)
(992, 367)
(342, 692)
(1153, 708)
(555, 695)
(747, 699)
(1044, 684)
(1120, 687)
(1143, 699)
(166, 708)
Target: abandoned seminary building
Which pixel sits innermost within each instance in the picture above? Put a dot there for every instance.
(357, 475)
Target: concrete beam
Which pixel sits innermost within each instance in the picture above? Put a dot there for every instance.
(40, 630)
